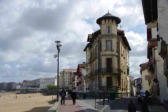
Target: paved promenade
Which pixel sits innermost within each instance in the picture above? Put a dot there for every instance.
(78, 107)
(118, 105)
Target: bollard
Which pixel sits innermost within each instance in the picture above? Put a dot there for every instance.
(95, 100)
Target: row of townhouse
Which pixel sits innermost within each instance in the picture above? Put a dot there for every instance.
(155, 71)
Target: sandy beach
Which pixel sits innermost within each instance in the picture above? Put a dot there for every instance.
(36, 102)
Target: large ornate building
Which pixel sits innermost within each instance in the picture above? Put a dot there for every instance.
(107, 56)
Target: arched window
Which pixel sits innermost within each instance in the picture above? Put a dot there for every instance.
(108, 29)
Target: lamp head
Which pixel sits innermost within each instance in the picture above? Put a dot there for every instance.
(58, 43)
(55, 56)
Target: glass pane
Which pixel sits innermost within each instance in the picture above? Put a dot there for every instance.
(108, 29)
(108, 45)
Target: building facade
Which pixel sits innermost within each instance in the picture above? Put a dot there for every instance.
(41, 83)
(8, 86)
(45, 82)
(156, 15)
(107, 56)
(147, 77)
(67, 78)
(162, 32)
(30, 84)
(81, 73)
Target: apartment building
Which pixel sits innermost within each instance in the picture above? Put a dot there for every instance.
(107, 56)
(156, 15)
(67, 79)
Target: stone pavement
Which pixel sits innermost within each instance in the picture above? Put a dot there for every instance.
(78, 107)
(157, 108)
(118, 105)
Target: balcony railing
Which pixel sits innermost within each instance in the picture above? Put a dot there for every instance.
(103, 71)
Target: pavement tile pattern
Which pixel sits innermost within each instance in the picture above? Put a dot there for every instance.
(69, 107)
(118, 105)
(80, 106)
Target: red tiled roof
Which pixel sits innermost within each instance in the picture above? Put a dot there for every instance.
(147, 65)
(144, 66)
(69, 70)
(81, 65)
(119, 31)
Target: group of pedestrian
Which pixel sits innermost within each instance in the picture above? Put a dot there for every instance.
(64, 93)
(144, 100)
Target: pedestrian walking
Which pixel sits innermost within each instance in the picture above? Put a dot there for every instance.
(73, 96)
(144, 105)
(131, 106)
(63, 94)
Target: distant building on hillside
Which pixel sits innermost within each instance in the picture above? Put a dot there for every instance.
(28, 84)
(3, 86)
(45, 82)
(8, 86)
(41, 83)
(11, 85)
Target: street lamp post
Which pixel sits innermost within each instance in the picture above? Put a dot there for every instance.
(58, 45)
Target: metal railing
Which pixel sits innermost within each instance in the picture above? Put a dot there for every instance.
(104, 71)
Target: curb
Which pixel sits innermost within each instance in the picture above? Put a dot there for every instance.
(55, 107)
(106, 108)
(87, 106)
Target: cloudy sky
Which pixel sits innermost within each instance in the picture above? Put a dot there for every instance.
(28, 29)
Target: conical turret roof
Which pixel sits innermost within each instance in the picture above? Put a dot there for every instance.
(108, 16)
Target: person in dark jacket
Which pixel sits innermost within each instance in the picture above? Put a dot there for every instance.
(63, 94)
(73, 96)
(131, 106)
(144, 105)
(147, 97)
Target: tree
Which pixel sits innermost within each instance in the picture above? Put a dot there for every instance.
(51, 89)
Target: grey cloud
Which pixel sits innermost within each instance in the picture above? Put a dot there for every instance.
(71, 54)
(137, 53)
(74, 48)
(32, 25)
(10, 40)
(134, 64)
(39, 66)
(45, 19)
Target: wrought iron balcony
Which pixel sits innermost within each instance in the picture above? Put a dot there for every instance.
(103, 71)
